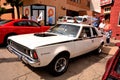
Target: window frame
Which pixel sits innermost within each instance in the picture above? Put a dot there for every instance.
(94, 31)
(85, 28)
(119, 19)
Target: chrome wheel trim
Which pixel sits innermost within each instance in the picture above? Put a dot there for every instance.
(61, 64)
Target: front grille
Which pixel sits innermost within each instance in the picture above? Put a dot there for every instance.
(19, 47)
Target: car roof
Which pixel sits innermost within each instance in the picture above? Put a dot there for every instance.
(77, 24)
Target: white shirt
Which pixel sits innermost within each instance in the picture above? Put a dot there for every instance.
(102, 25)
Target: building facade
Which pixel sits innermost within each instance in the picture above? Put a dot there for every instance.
(9, 14)
(95, 6)
(111, 11)
(63, 7)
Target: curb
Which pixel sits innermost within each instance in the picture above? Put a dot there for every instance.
(111, 49)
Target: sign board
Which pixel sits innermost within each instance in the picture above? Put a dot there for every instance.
(38, 7)
(27, 11)
(105, 2)
(50, 14)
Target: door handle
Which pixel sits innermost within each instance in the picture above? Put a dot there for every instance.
(92, 40)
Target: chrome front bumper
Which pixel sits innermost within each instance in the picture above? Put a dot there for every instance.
(25, 58)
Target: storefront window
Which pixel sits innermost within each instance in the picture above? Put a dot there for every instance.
(107, 9)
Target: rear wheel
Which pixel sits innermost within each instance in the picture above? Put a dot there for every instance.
(59, 65)
(99, 49)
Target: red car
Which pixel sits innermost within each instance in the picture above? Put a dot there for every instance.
(112, 71)
(20, 26)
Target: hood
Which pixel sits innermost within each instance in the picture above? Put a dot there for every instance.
(35, 40)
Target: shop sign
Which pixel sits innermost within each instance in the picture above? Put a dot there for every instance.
(38, 7)
(105, 2)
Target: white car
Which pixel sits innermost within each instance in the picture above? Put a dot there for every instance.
(84, 19)
(68, 19)
(55, 47)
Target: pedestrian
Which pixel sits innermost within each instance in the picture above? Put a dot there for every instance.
(102, 25)
(75, 20)
(50, 20)
(108, 31)
(24, 17)
(95, 21)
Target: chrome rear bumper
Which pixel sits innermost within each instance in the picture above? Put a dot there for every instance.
(25, 58)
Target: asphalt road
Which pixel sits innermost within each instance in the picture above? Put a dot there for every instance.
(85, 67)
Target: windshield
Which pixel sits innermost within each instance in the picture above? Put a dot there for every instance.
(79, 19)
(65, 29)
(4, 21)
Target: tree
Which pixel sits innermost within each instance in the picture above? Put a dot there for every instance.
(16, 4)
(2, 10)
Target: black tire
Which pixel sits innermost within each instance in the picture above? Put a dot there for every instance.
(99, 49)
(59, 65)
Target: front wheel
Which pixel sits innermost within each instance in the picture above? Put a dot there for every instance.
(59, 65)
(99, 49)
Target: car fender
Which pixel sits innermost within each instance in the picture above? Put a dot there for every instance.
(47, 57)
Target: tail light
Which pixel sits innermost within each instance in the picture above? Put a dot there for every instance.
(65, 20)
(33, 55)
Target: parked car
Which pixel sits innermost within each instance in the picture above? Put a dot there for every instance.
(55, 47)
(84, 19)
(15, 27)
(112, 71)
(68, 19)
(2, 20)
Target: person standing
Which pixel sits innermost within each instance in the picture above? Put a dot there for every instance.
(95, 21)
(108, 31)
(50, 20)
(102, 25)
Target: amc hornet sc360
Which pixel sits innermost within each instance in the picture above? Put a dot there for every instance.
(55, 47)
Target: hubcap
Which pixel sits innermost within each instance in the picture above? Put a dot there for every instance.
(100, 50)
(60, 64)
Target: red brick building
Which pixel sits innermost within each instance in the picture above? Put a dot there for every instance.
(111, 11)
(63, 7)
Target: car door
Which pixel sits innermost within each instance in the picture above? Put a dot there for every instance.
(84, 43)
(113, 68)
(34, 27)
(26, 26)
(96, 39)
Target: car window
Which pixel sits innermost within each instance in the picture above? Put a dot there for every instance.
(79, 19)
(111, 78)
(86, 30)
(60, 17)
(5, 21)
(94, 32)
(66, 29)
(33, 24)
(70, 18)
(85, 33)
(21, 23)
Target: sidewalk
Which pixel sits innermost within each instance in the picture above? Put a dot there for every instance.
(112, 48)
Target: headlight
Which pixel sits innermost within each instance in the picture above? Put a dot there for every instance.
(31, 54)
